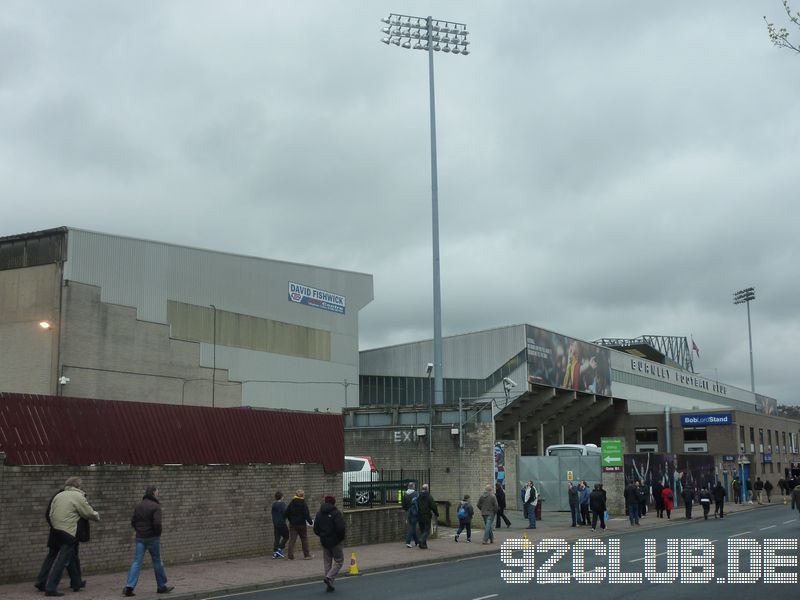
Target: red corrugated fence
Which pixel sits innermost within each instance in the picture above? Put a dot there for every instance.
(49, 430)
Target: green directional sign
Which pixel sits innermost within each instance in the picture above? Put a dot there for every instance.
(611, 454)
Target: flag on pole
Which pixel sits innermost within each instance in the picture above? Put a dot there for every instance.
(695, 349)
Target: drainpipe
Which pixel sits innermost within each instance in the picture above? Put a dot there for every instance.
(668, 430)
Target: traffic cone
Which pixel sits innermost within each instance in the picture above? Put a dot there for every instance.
(525, 537)
(353, 565)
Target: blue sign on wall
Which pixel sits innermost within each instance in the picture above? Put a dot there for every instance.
(704, 420)
(767, 457)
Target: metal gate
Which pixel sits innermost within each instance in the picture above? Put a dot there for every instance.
(550, 475)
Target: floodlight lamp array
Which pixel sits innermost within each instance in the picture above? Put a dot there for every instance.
(745, 295)
(421, 33)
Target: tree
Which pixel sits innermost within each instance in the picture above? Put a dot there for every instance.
(780, 37)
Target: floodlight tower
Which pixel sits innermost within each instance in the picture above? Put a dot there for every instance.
(744, 297)
(431, 35)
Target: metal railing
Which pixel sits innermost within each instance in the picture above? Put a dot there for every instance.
(384, 487)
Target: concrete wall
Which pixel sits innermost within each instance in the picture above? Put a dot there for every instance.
(28, 353)
(210, 512)
(454, 472)
(108, 353)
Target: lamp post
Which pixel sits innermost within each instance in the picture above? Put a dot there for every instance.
(744, 297)
(432, 35)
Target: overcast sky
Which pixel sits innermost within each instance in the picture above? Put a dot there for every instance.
(606, 169)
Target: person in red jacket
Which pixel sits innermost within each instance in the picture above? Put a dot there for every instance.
(669, 499)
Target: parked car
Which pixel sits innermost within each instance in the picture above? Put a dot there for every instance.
(361, 469)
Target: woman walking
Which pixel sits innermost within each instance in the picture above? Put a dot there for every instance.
(465, 512)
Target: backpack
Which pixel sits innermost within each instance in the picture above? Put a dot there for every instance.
(462, 512)
(413, 509)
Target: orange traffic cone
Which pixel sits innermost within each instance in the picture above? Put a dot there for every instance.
(353, 565)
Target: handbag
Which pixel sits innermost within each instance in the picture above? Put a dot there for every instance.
(82, 534)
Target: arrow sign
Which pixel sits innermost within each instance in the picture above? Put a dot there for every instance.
(611, 454)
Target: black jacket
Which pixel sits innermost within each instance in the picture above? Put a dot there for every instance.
(146, 519)
(597, 501)
(329, 526)
(297, 512)
(427, 507)
(719, 493)
(632, 495)
(572, 494)
(501, 497)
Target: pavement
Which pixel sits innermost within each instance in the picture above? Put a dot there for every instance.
(216, 578)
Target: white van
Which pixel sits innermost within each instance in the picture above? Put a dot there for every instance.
(572, 450)
(359, 468)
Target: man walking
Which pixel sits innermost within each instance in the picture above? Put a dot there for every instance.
(597, 503)
(73, 568)
(759, 489)
(737, 490)
(329, 526)
(500, 494)
(583, 494)
(66, 509)
(146, 521)
(574, 503)
(299, 518)
(427, 508)
(411, 506)
(632, 501)
(796, 497)
(529, 500)
(719, 494)
(688, 499)
(279, 528)
(487, 504)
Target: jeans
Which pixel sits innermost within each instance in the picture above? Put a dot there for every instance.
(488, 521)
(719, 508)
(531, 515)
(281, 535)
(332, 560)
(462, 525)
(576, 514)
(633, 512)
(584, 514)
(67, 555)
(73, 568)
(153, 546)
(411, 530)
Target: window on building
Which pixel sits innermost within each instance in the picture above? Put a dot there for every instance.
(646, 435)
(763, 468)
(769, 440)
(741, 439)
(760, 441)
(784, 442)
(695, 434)
(770, 468)
(752, 440)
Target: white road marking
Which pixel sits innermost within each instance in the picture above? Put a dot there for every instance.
(789, 521)
(641, 559)
(486, 597)
(765, 528)
(739, 534)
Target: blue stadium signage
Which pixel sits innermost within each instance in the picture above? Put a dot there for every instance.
(704, 420)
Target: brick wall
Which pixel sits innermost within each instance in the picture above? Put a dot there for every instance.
(210, 512)
(396, 447)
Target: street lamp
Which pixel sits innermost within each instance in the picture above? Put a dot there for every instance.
(744, 297)
(427, 33)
